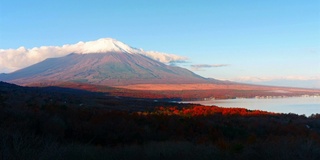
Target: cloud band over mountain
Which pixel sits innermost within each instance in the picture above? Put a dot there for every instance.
(200, 66)
(14, 59)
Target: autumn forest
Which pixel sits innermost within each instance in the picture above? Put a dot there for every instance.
(55, 123)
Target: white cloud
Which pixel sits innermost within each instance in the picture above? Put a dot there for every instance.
(14, 59)
(197, 67)
(164, 57)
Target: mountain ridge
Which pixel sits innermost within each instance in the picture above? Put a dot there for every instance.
(15, 59)
(111, 68)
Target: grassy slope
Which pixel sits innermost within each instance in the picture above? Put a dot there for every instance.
(192, 91)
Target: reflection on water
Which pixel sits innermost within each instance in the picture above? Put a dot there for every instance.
(297, 105)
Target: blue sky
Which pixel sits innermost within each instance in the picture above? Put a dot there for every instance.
(265, 42)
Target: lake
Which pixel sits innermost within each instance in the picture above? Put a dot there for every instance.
(297, 105)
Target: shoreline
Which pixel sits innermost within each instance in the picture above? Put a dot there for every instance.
(301, 105)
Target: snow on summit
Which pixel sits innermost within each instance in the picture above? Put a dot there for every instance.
(104, 45)
(14, 59)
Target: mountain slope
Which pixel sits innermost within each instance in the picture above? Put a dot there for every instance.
(111, 68)
(14, 59)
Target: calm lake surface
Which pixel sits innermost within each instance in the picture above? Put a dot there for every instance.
(297, 105)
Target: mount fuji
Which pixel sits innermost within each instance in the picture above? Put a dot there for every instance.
(109, 65)
(105, 62)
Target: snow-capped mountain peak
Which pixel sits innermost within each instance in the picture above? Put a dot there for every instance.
(14, 59)
(104, 45)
